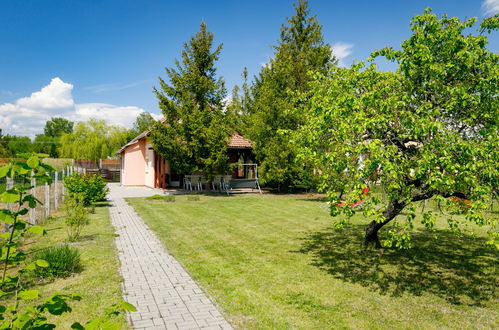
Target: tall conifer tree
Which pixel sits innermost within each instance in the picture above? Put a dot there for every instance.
(194, 135)
(301, 49)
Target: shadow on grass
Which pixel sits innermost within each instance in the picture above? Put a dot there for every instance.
(461, 270)
(102, 204)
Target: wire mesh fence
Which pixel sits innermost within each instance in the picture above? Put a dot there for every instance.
(50, 195)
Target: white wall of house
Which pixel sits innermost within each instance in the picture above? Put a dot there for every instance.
(149, 165)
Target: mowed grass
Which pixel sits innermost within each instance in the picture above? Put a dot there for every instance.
(99, 284)
(275, 262)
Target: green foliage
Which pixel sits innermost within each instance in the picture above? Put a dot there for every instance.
(93, 139)
(63, 261)
(27, 169)
(194, 135)
(275, 113)
(427, 131)
(106, 321)
(56, 126)
(13, 145)
(143, 122)
(46, 144)
(32, 316)
(76, 215)
(92, 186)
(24, 313)
(240, 104)
(168, 198)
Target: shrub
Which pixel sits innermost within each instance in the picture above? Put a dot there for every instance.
(63, 260)
(155, 197)
(93, 186)
(76, 215)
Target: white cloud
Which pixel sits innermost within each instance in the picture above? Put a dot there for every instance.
(27, 116)
(490, 7)
(341, 50)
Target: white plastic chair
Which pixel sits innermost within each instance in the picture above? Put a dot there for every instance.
(188, 182)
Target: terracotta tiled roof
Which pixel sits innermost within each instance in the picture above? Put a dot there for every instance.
(237, 141)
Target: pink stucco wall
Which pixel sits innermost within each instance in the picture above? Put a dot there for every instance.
(134, 164)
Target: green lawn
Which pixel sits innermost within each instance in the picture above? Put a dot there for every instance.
(99, 283)
(275, 262)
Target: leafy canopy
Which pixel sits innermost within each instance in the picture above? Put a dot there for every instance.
(274, 112)
(194, 135)
(57, 126)
(427, 131)
(94, 139)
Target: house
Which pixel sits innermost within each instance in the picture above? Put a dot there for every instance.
(142, 166)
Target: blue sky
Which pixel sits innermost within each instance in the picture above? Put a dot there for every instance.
(101, 58)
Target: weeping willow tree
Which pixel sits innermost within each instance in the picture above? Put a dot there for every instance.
(94, 139)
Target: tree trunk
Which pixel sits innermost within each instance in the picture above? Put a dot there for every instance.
(392, 210)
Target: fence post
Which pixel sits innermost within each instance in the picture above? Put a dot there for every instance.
(9, 184)
(56, 191)
(32, 212)
(47, 199)
(63, 188)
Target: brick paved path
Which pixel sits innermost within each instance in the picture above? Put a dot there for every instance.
(166, 296)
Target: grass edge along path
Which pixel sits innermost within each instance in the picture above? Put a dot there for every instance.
(275, 262)
(99, 283)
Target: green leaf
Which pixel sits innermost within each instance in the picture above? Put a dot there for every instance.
(9, 196)
(29, 294)
(42, 263)
(31, 266)
(36, 230)
(23, 211)
(77, 326)
(6, 217)
(4, 170)
(33, 162)
(128, 307)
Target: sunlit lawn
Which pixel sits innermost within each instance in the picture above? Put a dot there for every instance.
(275, 262)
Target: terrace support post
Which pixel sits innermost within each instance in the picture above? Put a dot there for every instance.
(32, 212)
(47, 199)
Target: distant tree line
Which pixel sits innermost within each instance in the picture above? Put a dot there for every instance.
(61, 138)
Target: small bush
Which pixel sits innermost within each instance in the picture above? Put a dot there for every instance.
(63, 260)
(92, 186)
(155, 197)
(76, 215)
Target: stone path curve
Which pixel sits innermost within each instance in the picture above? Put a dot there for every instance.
(165, 295)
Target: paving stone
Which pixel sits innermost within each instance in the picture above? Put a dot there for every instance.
(165, 296)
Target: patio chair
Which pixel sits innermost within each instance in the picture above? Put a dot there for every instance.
(197, 182)
(216, 184)
(188, 182)
(225, 184)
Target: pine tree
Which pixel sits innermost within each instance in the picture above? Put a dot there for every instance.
(274, 114)
(194, 135)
